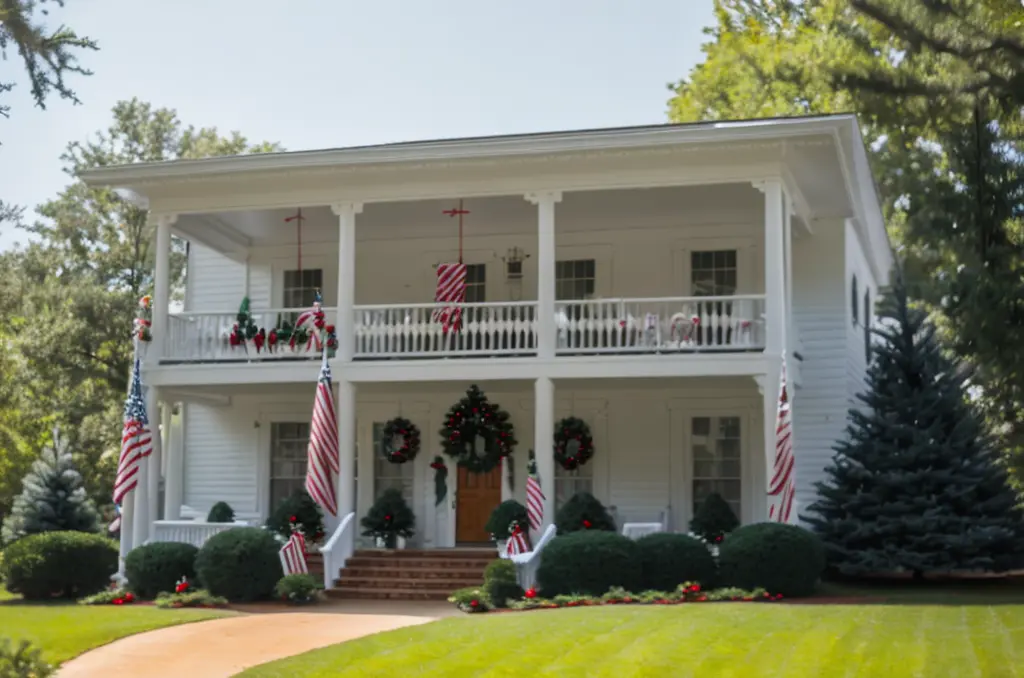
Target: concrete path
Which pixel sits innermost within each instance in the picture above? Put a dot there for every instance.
(223, 647)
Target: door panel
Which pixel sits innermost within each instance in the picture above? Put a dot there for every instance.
(478, 494)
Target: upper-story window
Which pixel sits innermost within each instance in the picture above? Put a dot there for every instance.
(854, 298)
(476, 283)
(300, 287)
(713, 273)
(575, 279)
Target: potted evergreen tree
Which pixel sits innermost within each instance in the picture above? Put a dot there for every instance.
(390, 520)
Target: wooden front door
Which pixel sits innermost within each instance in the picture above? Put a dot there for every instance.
(478, 494)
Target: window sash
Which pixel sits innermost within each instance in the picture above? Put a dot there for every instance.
(716, 446)
(575, 279)
(299, 288)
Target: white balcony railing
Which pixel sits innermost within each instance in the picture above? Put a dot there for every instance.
(661, 324)
(415, 331)
(194, 532)
(605, 326)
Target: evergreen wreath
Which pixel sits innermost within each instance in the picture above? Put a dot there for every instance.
(471, 418)
(574, 445)
(400, 441)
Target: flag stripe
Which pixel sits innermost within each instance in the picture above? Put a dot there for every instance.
(451, 289)
(136, 438)
(293, 555)
(322, 453)
(534, 502)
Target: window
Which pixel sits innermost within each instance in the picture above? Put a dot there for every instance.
(288, 445)
(387, 475)
(717, 459)
(713, 274)
(853, 299)
(568, 483)
(575, 279)
(300, 287)
(867, 325)
(476, 283)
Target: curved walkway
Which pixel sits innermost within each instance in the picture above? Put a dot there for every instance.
(223, 647)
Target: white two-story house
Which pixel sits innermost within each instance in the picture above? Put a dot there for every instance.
(648, 280)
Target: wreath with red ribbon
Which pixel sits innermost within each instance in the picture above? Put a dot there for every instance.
(574, 445)
(400, 441)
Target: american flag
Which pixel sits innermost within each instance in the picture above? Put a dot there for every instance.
(322, 462)
(136, 439)
(782, 486)
(534, 498)
(451, 289)
(293, 555)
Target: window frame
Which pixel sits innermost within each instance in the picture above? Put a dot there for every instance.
(302, 288)
(477, 287)
(714, 253)
(404, 477)
(580, 479)
(305, 425)
(589, 281)
(690, 472)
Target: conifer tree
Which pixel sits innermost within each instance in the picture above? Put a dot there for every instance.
(917, 485)
(53, 497)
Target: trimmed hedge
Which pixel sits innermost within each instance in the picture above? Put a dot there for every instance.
(589, 562)
(500, 583)
(779, 558)
(240, 564)
(583, 512)
(156, 568)
(66, 564)
(668, 560)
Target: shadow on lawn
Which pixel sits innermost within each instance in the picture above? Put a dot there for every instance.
(958, 592)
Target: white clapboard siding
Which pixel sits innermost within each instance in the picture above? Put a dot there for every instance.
(221, 458)
(213, 281)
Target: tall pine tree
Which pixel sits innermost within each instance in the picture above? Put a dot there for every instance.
(53, 498)
(917, 485)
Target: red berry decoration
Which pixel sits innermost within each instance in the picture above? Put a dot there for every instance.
(129, 597)
(293, 519)
(586, 523)
(531, 593)
(474, 603)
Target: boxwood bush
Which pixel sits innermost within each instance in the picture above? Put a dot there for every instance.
(155, 568)
(589, 562)
(583, 512)
(500, 583)
(66, 564)
(502, 517)
(668, 560)
(240, 564)
(779, 558)
(221, 512)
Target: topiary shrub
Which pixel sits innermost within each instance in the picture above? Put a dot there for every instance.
(389, 518)
(298, 589)
(22, 661)
(504, 516)
(221, 512)
(500, 583)
(779, 558)
(67, 564)
(583, 512)
(589, 562)
(155, 568)
(240, 564)
(668, 560)
(298, 511)
(714, 519)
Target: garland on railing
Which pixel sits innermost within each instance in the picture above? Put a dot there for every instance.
(310, 332)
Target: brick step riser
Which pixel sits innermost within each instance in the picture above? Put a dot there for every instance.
(484, 554)
(386, 595)
(406, 584)
(417, 564)
(435, 575)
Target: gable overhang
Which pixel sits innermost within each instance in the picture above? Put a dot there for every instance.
(415, 170)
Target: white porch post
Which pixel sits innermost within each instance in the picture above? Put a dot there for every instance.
(345, 322)
(127, 530)
(543, 443)
(346, 449)
(776, 311)
(174, 459)
(161, 284)
(546, 328)
(154, 464)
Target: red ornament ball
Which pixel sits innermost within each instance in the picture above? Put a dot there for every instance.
(474, 603)
(129, 597)
(531, 593)
(293, 519)
(586, 524)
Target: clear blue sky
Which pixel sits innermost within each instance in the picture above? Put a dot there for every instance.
(347, 72)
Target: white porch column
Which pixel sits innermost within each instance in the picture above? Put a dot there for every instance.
(155, 462)
(775, 310)
(543, 443)
(546, 328)
(161, 284)
(787, 226)
(174, 459)
(345, 323)
(346, 448)
(140, 525)
(127, 530)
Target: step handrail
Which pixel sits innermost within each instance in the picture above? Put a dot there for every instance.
(527, 563)
(338, 549)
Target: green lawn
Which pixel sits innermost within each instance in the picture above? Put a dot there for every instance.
(66, 630)
(961, 635)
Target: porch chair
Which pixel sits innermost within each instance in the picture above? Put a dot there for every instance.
(634, 526)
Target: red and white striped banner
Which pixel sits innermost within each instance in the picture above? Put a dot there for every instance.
(516, 543)
(323, 453)
(534, 499)
(293, 555)
(451, 289)
(782, 486)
